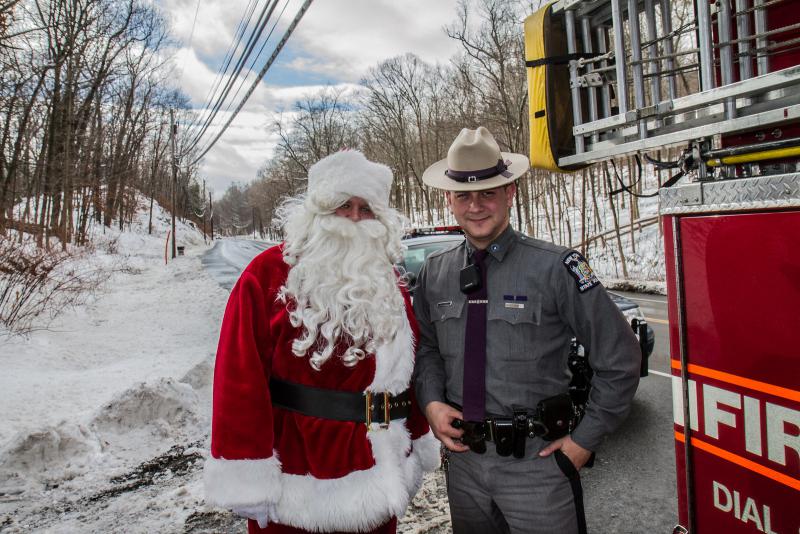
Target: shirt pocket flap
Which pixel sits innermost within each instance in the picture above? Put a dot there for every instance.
(446, 309)
(516, 312)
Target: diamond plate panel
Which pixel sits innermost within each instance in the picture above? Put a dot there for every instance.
(762, 192)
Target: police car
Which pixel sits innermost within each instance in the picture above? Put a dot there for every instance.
(421, 242)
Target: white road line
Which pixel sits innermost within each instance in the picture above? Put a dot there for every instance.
(659, 373)
(654, 320)
(647, 300)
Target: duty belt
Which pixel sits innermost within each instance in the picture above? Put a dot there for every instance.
(554, 417)
(367, 407)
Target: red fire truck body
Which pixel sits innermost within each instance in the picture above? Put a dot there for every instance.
(731, 225)
(733, 293)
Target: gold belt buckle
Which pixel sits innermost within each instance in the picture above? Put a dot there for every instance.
(369, 407)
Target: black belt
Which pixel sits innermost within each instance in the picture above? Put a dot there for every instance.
(553, 418)
(338, 405)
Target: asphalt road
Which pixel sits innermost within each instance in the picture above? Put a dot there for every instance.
(632, 487)
(228, 258)
(654, 308)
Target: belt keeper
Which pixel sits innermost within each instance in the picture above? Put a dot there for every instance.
(368, 418)
(386, 417)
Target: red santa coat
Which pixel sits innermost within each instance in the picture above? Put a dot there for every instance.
(315, 474)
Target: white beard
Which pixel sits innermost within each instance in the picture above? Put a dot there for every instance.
(341, 287)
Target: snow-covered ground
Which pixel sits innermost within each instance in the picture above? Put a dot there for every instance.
(106, 412)
(109, 386)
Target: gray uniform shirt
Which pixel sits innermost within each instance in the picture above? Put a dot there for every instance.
(536, 305)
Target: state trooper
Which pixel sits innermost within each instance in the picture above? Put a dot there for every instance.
(497, 314)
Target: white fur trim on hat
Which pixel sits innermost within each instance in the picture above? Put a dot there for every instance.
(349, 173)
(242, 483)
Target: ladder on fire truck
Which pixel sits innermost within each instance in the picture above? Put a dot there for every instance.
(624, 68)
(725, 83)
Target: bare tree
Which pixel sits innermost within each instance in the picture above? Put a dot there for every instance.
(81, 102)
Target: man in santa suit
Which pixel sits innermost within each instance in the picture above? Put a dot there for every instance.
(314, 426)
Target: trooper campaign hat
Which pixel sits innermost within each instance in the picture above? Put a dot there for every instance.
(475, 163)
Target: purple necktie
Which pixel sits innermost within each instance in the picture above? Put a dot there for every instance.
(474, 392)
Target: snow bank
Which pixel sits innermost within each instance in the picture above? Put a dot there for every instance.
(106, 407)
(134, 425)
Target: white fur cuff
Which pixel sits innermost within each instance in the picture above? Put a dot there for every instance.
(394, 362)
(428, 449)
(242, 483)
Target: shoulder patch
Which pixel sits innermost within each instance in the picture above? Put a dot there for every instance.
(579, 269)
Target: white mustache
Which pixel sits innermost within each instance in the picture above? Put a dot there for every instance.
(344, 227)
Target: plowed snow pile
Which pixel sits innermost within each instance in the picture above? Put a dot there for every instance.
(110, 386)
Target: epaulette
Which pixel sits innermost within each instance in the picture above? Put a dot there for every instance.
(538, 244)
(445, 250)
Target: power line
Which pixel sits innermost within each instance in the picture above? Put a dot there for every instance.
(216, 100)
(191, 33)
(261, 23)
(244, 22)
(258, 55)
(260, 76)
(194, 22)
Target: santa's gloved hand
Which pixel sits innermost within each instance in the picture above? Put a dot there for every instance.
(261, 513)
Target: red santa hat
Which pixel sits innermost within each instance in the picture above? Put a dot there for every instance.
(346, 174)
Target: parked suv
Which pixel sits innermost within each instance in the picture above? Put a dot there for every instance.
(420, 243)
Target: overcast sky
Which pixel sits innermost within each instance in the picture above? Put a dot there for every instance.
(336, 42)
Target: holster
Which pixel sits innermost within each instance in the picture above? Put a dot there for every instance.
(504, 438)
(555, 417)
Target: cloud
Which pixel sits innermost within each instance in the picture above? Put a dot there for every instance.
(345, 38)
(213, 29)
(336, 42)
(250, 141)
(240, 151)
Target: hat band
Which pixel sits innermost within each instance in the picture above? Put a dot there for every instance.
(483, 174)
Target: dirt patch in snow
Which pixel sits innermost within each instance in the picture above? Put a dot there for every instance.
(175, 462)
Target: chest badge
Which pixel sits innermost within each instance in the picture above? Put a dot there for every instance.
(516, 302)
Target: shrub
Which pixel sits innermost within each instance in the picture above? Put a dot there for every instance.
(34, 282)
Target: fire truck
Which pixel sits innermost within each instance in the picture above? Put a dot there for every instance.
(715, 83)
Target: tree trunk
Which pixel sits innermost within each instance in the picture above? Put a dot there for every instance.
(616, 222)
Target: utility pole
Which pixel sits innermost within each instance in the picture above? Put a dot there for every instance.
(204, 213)
(254, 222)
(174, 133)
(211, 215)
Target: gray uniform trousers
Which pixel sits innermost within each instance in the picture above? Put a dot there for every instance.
(494, 494)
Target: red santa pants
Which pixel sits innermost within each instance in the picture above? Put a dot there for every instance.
(275, 528)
